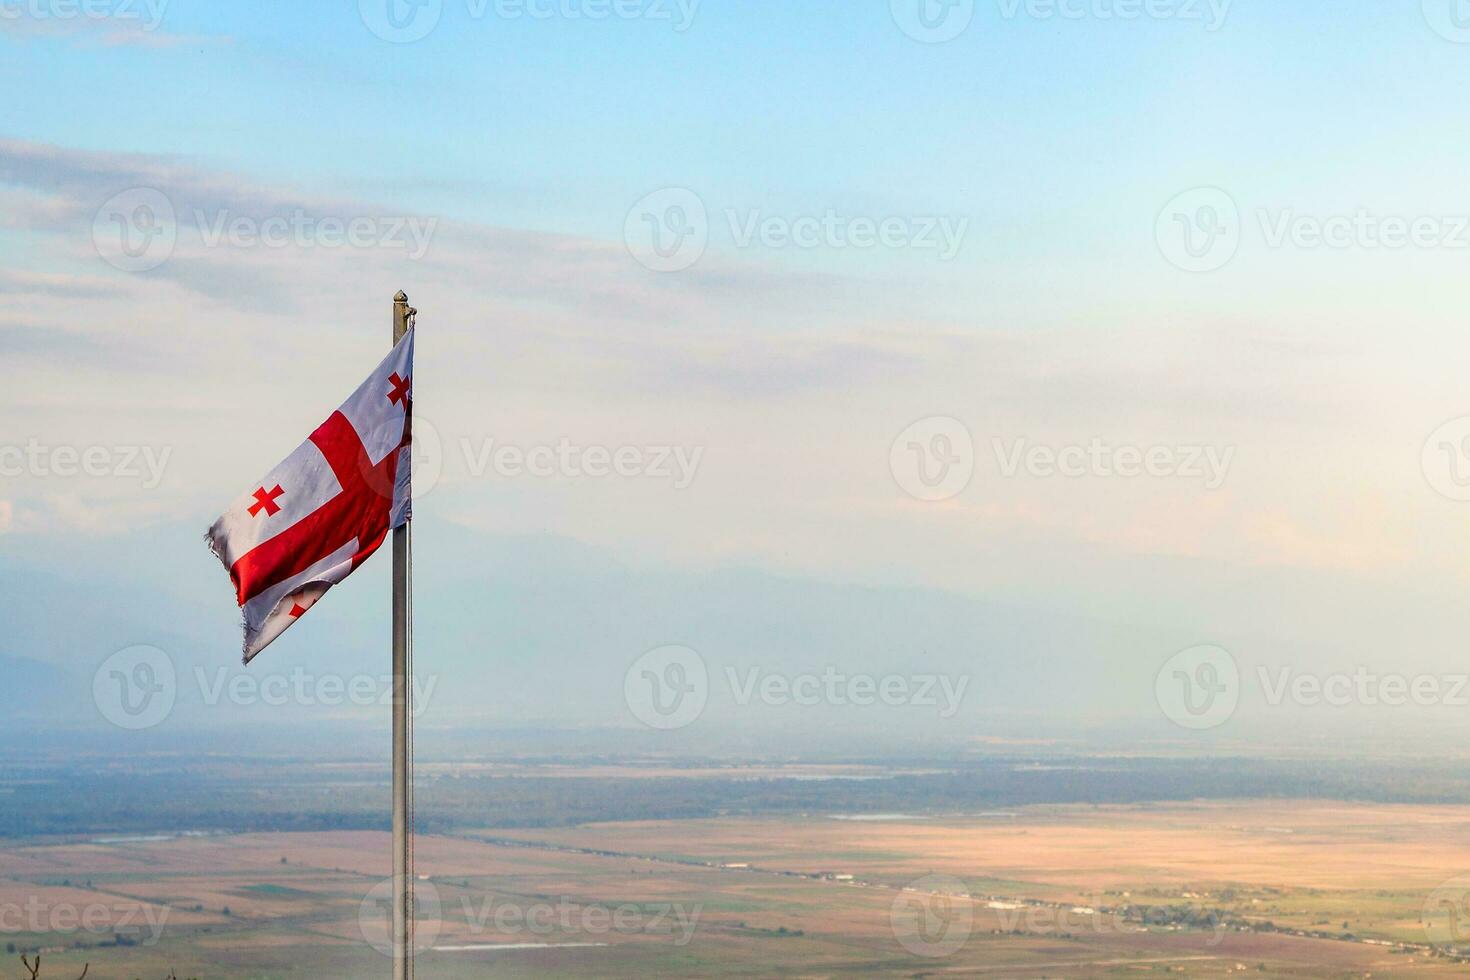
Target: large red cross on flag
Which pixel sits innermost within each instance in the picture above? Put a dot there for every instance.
(325, 509)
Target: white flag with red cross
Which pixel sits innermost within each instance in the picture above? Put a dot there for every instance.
(325, 509)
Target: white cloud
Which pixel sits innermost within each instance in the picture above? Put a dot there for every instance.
(792, 383)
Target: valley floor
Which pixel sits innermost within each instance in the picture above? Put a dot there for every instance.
(1275, 888)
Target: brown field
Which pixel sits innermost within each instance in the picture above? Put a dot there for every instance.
(1308, 844)
(655, 899)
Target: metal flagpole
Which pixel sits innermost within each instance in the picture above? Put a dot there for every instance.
(402, 719)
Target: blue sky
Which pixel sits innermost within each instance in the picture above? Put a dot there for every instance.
(1063, 151)
(1052, 134)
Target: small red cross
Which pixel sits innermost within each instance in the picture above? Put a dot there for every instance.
(358, 517)
(265, 500)
(401, 388)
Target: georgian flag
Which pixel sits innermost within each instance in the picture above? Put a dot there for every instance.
(325, 509)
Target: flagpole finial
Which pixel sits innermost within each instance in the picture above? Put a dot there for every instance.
(403, 316)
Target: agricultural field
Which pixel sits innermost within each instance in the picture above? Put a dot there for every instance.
(1275, 888)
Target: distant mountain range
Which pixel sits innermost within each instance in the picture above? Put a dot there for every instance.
(32, 690)
(543, 630)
